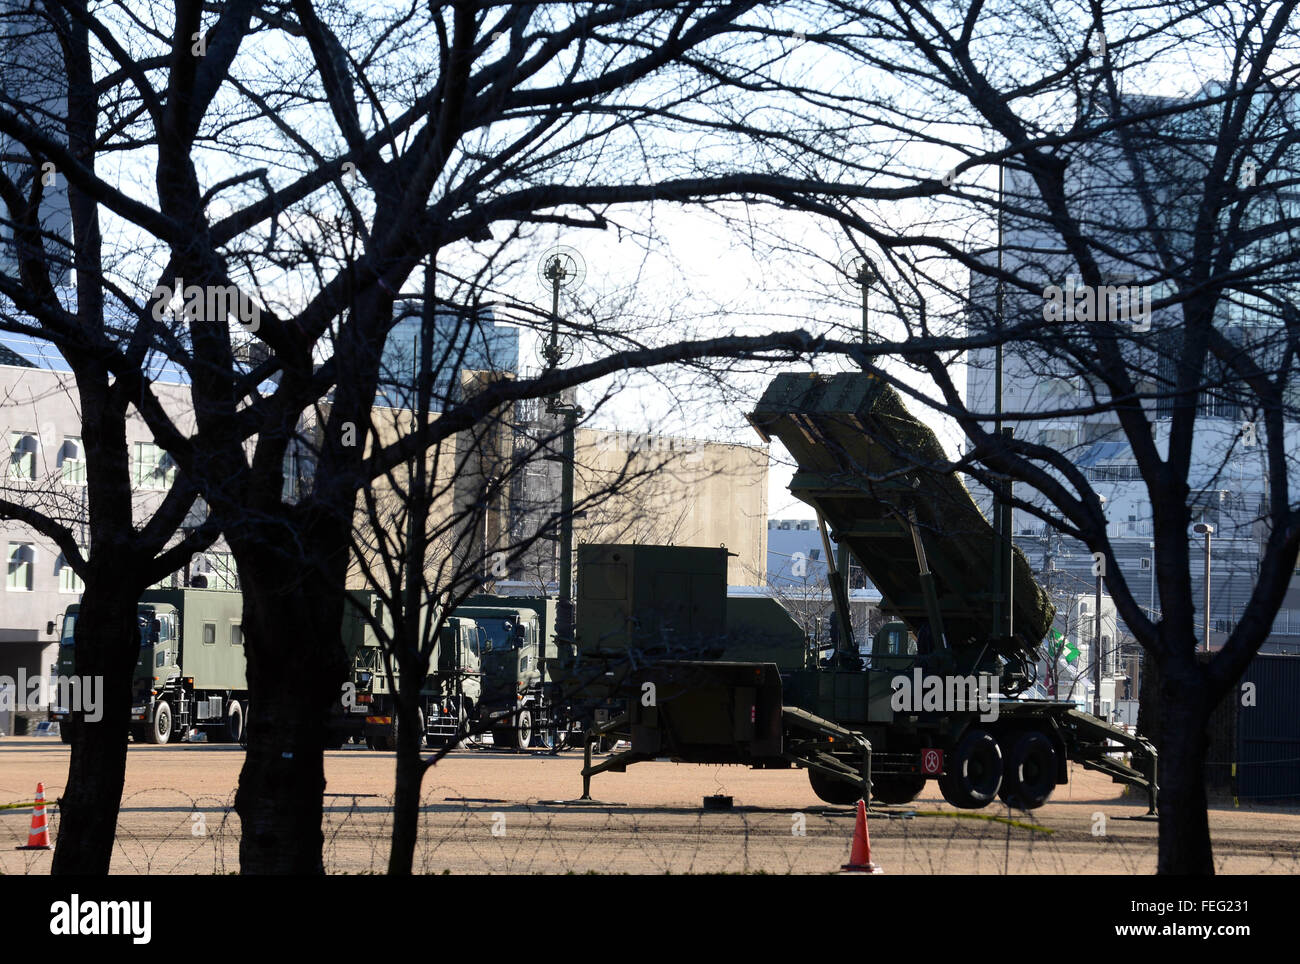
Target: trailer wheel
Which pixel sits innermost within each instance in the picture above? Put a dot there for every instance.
(1031, 772)
(841, 793)
(973, 775)
(161, 730)
(897, 788)
(234, 727)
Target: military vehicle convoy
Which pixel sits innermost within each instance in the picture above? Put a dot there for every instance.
(927, 547)
(190, 673)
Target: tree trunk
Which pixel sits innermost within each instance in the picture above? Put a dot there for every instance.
(406, 799)
(89, 806)
(296, 669)
(1184, 711)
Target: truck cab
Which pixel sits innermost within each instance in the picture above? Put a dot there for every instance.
(514, 675)
(158, 661)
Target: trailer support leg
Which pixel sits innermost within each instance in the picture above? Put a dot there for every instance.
(587, 737)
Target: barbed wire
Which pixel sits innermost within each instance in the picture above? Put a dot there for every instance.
(162, 830)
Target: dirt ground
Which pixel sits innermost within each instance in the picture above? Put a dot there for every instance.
(494, 812)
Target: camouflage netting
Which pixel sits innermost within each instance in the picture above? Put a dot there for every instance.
(865, 463)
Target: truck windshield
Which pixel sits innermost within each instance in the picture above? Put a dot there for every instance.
(68, 638)
(501, 632)
(148, 635)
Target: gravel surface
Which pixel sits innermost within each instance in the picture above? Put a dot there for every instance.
(487, 811)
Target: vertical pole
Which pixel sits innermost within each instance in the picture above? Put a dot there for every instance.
(1096, 654)
(564, 611)
(1151, 611)
(1207, 589)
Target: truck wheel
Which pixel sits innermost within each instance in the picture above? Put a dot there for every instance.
(841, 793)
(234, 727)
(1031, 772)
(523, 732)
(973, 775)
(897, 788)
(160, 731)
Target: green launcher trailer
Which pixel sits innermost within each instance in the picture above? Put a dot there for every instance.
(934, 695)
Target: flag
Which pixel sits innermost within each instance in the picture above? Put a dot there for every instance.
(1063, 647)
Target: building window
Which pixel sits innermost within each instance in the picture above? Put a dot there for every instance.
(210, 633)
(69, 581)
(154, 468)
(22, 559)
(22, 455)
(73, 462)
(236, 634)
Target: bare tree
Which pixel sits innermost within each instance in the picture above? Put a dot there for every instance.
(1140, 256)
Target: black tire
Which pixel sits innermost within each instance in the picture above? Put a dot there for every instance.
(233, 729)
(1030, 774)
(973, 774)
(523, 730)
(160, 729)
(841, 793)
(248, 715)
(897, 788)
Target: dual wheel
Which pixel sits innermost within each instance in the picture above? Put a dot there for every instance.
(889, 788)
(977, 772)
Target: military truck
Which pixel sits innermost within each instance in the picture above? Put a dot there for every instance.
(448, 699)
(963, 615)
(517, 639)
(190, 673)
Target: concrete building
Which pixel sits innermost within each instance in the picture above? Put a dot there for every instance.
(40, 422)
(639, 488)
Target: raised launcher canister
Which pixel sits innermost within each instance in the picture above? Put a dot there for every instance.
(862, 465)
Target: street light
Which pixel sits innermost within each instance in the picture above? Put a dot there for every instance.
(1204, 528)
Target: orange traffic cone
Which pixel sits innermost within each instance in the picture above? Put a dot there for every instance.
(38, 838)
(860, 857)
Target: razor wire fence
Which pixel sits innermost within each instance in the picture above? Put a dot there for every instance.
(167, 831)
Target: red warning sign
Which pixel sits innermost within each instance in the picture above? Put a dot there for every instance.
(931, 762)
